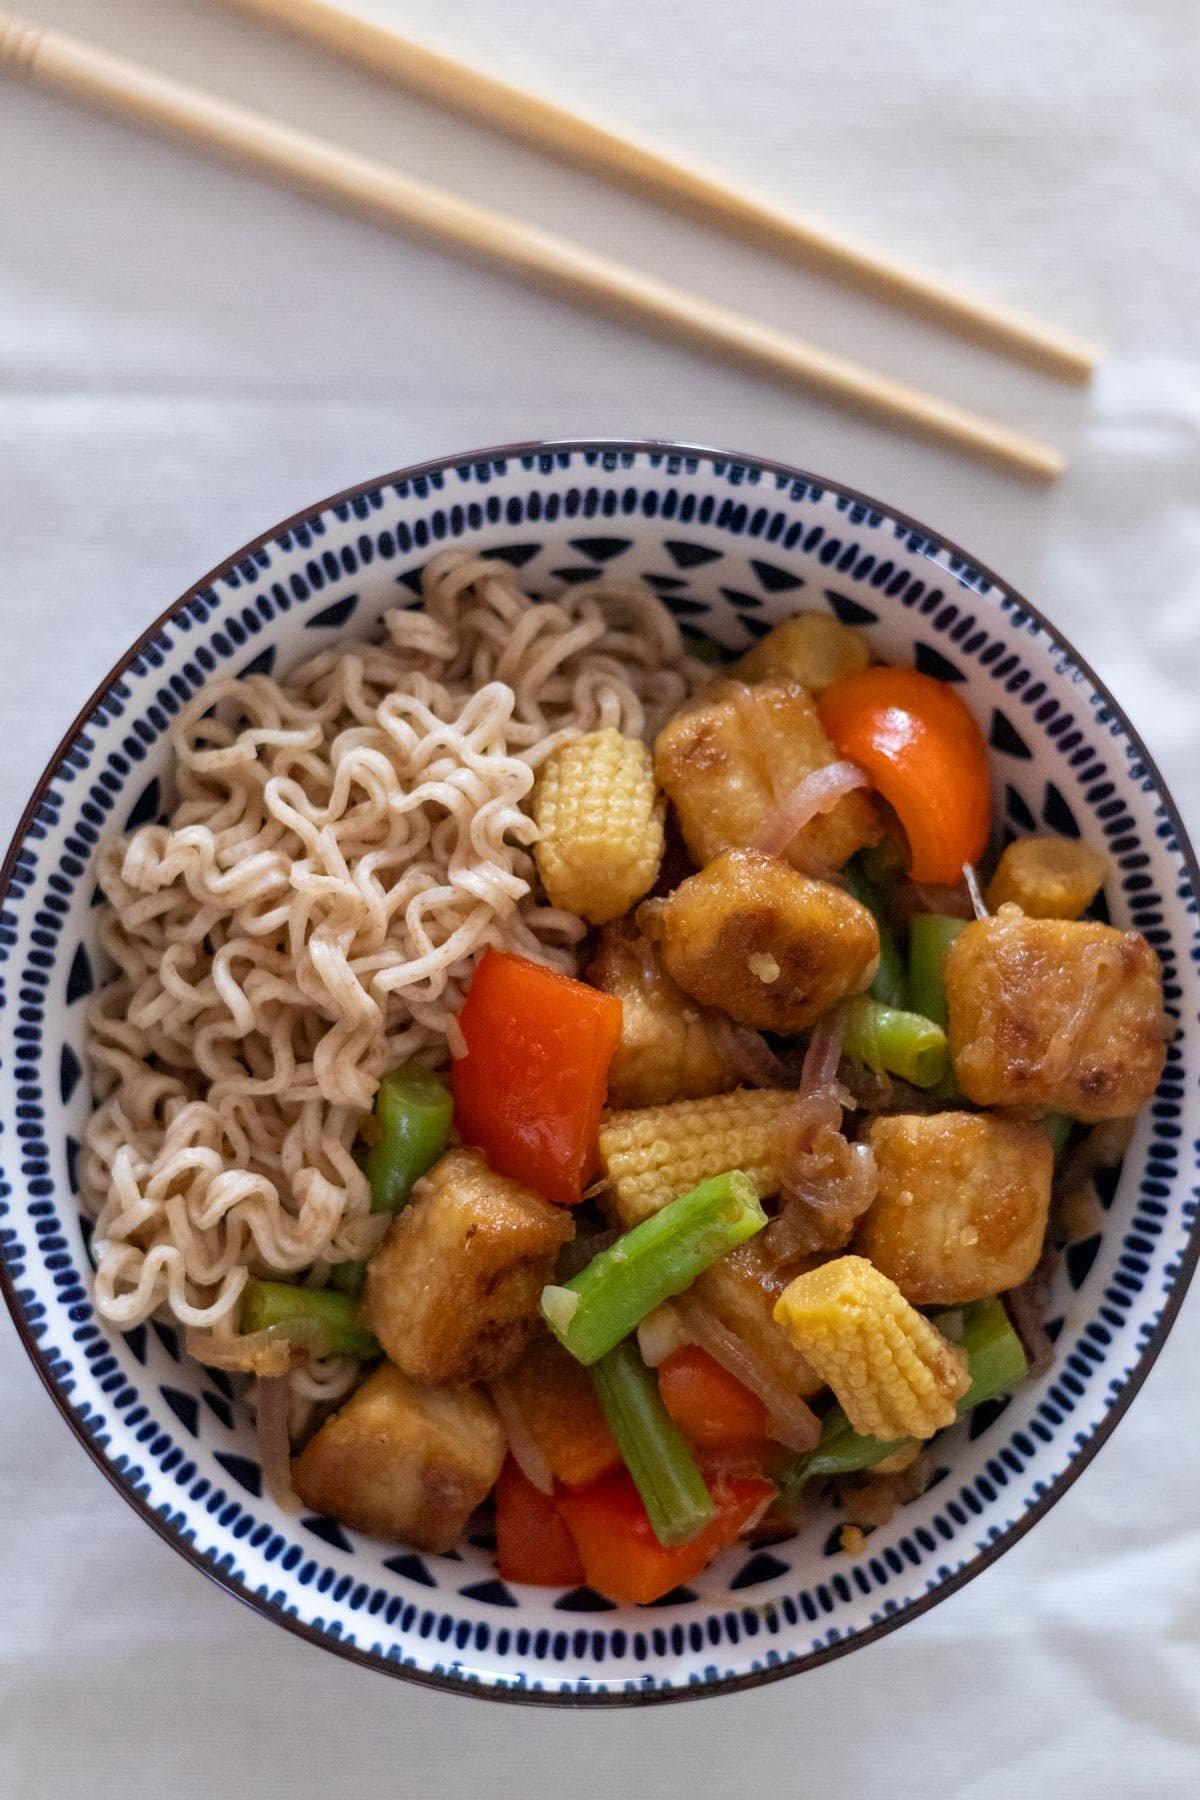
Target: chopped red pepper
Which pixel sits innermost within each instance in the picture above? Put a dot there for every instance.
(711, 1407)
(532, 1543)
(529, 1090)
(919, 742)
(621, 1556)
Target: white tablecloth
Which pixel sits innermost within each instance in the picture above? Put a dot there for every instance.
(187, 355)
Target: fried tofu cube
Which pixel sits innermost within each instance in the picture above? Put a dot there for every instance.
(962, 1204)
(453, 1290)
(1055, 1013)
(727, 760)
(403, 1462)
(772, 948)
(813, 649)
(668, 1049)
(1048, 877)
(739, 1291)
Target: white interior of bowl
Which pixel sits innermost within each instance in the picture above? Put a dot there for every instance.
(733, 547)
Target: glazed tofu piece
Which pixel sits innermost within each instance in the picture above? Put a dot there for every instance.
(772, 948)
(1048, 877)
(667, 1049)
(739, 1291)
(729, 758)
(813, 649)
(962, 1204)
(1055, 1013)
(403, 1462)
(453, 1290)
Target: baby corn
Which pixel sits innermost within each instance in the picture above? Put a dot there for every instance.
(600, 822)
(893, 1372)
(653, 1154)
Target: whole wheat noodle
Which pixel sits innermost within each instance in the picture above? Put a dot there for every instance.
(345, 845)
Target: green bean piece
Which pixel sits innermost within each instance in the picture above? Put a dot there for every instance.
(349, 1278)
(320, 1320)
(890, 984)
(996, 1364)
(414, 1110)
(662, 1256)
(903, 1043)
(1057, 1128)
(930, 935)
(678, 1505)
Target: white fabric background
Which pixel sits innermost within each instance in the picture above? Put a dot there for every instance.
(186, 355)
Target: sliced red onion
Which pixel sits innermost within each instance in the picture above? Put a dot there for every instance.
(975, 891)
(1026, 1307)
(823, 1054)
(818, 792)
(521, 1443)
(272, 1403)
(746, 1053)
(791, 1422)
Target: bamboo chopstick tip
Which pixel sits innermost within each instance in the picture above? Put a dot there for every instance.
(19, 44)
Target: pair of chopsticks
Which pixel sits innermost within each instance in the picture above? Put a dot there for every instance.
(66, 65)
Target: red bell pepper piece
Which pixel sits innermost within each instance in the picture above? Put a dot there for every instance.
(711, 1407)
(918, 741)
(621, 1556)
(529, 1090)
(532, 1543)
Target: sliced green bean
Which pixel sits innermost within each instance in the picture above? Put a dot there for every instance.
(414, 1110)
(661, 1257)
(890, 984)
(903, 1043)
(322, 1321)
(678, 1505)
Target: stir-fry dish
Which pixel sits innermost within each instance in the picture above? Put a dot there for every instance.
(596, 1092)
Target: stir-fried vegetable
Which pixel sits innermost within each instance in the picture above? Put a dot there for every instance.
(711, 1407)
(930, 936)
(657, 1259)
(349, 1278)
(996, 1364)
(409, 1130)
(677, 1502)
(318, 1320)
(919, 743)
(903, 1043)
(529, 1089)
(890, 985)
(532, 1542)
(1057, 1127)
(621, 1556)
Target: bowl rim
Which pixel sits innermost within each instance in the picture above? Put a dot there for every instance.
(985, 1557)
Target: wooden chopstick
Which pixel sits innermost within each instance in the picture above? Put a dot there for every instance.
(53, 60)
(649, 169)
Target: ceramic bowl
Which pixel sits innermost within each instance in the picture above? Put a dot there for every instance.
(732, 544)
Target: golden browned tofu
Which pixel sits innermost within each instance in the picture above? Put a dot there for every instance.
(962, 1204)
(813, 649)
(404, 1462)
(453, 1290)
(739, 1290)
(727, 760)
(1056, 1013)
(667, 1049)
(770, 947)
(1048, 877)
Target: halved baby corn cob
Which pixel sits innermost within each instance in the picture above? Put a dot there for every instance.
(600, 821)
(893, 1372)
(652, 1154)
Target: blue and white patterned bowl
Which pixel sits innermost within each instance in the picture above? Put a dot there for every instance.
(732, 545)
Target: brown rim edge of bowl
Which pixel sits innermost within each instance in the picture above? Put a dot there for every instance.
(983, 1559)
